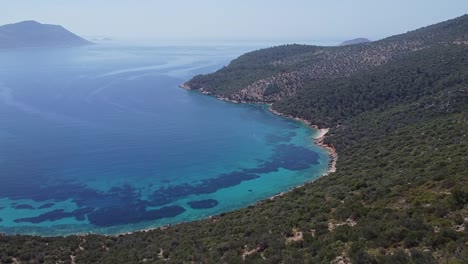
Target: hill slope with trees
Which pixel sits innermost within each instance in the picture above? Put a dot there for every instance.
(273, 74)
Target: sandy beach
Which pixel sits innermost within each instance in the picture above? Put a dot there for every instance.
(319, 139)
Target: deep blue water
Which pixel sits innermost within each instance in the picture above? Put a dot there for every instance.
(100, 139)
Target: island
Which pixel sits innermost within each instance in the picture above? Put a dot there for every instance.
(35, 34)
(354, 41)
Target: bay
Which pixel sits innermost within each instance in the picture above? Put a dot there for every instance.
(100, 139)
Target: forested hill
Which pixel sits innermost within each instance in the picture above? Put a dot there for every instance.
(427, 73)
(400, 192)
(273, 74)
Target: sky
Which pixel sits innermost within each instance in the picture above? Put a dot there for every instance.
(234, 20)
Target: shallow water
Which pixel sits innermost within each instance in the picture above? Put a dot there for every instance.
(101, 140)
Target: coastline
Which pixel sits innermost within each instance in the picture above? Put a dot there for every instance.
(318, 138)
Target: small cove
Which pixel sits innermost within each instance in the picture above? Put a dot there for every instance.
(100, 140)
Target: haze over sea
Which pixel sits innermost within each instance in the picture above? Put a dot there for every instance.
(100, 139)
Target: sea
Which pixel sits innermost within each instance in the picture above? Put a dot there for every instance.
(100, 139)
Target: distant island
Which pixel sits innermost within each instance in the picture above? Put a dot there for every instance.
(354, 41)
(35, 34)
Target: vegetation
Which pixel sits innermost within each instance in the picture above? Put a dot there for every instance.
(250, 67)
(399, 195)
(271, 75)
(422, 74)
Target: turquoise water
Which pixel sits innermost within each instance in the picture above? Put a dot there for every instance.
(101, 140)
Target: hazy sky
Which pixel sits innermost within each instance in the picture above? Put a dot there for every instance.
(236, 20)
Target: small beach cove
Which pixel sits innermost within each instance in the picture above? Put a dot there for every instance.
(115, 147)
(318, 138)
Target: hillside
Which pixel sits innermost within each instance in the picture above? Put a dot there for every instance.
(34, 34)
(400, 192)
(272, 74)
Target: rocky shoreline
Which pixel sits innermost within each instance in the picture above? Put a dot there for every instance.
(319, 139)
